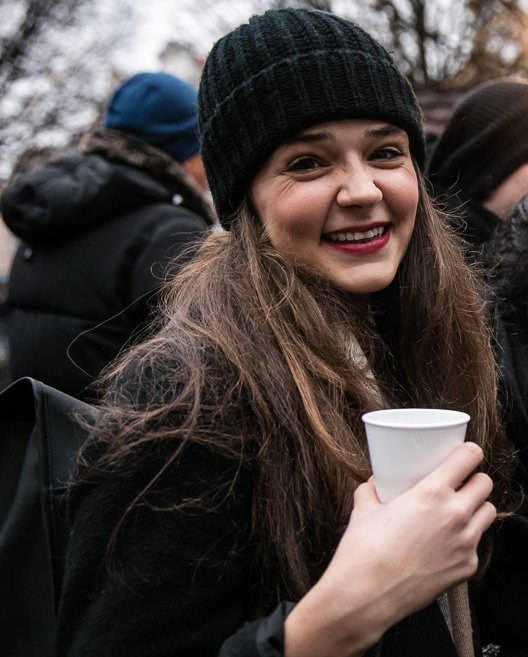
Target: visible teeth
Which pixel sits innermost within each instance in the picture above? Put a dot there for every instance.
(355, 236)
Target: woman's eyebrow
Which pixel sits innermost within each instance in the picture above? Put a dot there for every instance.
(308, 138)
(385, 131)
(322, 135)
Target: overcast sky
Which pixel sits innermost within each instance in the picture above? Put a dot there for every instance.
(160, 21)
(199, 22)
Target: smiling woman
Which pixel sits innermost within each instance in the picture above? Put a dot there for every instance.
(224, 503)
(341, 199)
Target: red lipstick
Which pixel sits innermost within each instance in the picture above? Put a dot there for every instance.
(361, 248)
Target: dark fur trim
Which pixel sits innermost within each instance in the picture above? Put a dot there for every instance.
(506, 257)
(123, 148)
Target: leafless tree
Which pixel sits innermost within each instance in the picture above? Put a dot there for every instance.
(436, 42)
(454, 42)
(28, 21)
(54, 54)
(54, 71)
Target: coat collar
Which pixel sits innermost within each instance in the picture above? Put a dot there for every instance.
(123, 148)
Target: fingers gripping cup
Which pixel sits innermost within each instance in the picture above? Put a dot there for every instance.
(406, 444)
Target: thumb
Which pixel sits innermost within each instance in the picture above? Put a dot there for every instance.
(365, 494)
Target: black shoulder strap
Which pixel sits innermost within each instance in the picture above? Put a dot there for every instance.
(60, 424)
(40, 435)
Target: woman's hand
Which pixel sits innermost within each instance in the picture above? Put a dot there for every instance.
(395, 558)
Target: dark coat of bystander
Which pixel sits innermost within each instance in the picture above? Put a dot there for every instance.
(98, 231)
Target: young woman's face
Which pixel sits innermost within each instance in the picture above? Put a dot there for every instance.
(341, 197)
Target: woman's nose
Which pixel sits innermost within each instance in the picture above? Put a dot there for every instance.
(358, 187)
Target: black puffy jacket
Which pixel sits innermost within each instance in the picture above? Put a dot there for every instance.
(97, 236)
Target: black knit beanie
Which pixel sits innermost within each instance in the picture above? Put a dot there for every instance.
(484, 141)
(282, 72)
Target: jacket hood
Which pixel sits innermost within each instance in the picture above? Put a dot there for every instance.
(69, 196)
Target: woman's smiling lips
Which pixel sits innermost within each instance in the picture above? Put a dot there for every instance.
(359, 242)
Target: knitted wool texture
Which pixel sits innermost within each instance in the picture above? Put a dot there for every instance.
(485, 140)
(284, 71)
(157, 108)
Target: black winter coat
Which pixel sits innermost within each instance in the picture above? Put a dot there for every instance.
(180, 578)
(505, 257)
(97, 236)
(182, 581)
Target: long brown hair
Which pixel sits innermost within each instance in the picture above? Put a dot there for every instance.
(252, 358)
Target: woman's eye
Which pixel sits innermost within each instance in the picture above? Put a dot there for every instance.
(387, 153)
(305, 164)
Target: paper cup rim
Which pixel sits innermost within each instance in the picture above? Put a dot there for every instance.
(458, 417)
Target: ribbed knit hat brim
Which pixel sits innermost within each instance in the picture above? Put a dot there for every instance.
(484, 141)
(281, 72)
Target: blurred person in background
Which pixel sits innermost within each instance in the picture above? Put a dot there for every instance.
(505, 257)
(98, 230)
(479, 166)
(479, 172)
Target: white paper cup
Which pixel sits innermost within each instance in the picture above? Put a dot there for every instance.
(406, 444)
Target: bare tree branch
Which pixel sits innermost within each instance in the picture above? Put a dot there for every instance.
(15, 46)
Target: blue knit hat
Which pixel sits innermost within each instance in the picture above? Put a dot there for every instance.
(157, 108)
